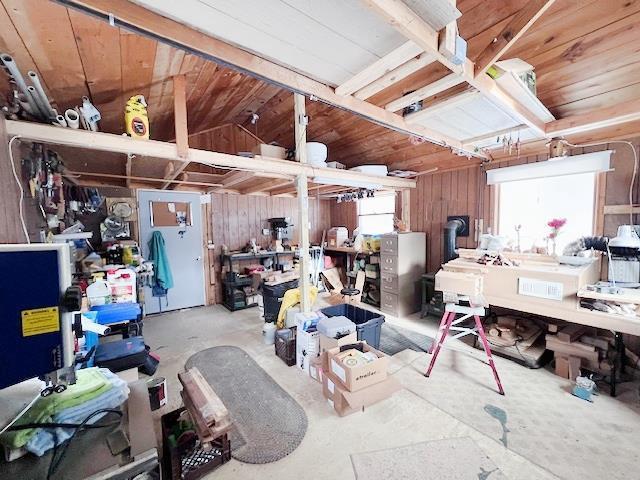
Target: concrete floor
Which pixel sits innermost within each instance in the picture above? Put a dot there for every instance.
(404, 419)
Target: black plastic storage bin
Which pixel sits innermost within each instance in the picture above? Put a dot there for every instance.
(272, 297)
(368, 323)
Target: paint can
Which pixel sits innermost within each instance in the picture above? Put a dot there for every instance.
(269, 333)
(157, 388)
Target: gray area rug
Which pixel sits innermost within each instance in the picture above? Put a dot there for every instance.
(537, 417)
(396, 339)
(450, 459)
(269, 423)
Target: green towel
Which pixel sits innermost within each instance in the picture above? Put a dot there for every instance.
(158, 255)
(90, 383)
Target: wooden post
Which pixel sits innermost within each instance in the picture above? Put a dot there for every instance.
(180, 113)
(300, 123)
(406, 208)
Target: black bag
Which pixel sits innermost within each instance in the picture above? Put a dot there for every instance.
(122, 354)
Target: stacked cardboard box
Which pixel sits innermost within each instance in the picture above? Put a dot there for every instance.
(350, 388)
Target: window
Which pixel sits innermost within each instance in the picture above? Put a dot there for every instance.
(532, 203)
(375, 214)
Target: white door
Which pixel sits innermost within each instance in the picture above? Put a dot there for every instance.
(177, 216)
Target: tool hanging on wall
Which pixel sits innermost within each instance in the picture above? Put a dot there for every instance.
(135, 117)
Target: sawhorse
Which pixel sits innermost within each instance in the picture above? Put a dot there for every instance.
(449, 323)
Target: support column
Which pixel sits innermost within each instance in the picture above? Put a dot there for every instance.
(406, 208)
(303, 198)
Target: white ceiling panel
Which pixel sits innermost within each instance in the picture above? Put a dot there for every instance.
(328, 40)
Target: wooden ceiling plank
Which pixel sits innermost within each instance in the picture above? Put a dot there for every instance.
(11, 42)
(167, 63)
(99, 47)
(46, 31)
(137, 55)
(395, 75)
(381, 67)
(151, 23)
(509, 35)
(427, 91)
(595, 120)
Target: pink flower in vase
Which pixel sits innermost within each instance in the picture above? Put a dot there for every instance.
(555, 224)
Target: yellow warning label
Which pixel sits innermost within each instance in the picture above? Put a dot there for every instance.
(40, 320)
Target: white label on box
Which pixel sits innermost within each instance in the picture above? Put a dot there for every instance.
(331, 386)
(531, 287)
(338, 370)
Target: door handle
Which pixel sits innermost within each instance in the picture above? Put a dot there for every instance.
(198, 259)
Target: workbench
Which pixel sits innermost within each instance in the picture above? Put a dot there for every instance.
(541, 286)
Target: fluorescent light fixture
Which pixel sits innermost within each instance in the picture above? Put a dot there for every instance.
(346, 183)
(554, 167)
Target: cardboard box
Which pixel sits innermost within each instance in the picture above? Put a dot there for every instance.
(336, 236)
(272, 151)
(327, 343)
(307, 343)
(345, 402)
(318, 366)
(358, 377)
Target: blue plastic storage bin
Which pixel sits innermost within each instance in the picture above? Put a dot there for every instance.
(117, 313)
(368, 323)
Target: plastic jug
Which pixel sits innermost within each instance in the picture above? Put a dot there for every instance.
(98, 293)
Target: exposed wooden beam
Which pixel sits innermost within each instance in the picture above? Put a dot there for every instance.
(108, 142)
(427, 91)
(128, 167)
(74, 174)
(234, 178)
(414, 28)
(595, 120)
(409, 23)
(437, 108)
(481, 138)
(382, 66)
(180, 124)
(300, 131)
(395, 75)
(180, 114)
(510, 34)
(145, 22)
(265, 186)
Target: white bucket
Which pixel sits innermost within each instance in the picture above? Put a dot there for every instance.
(269, 333)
